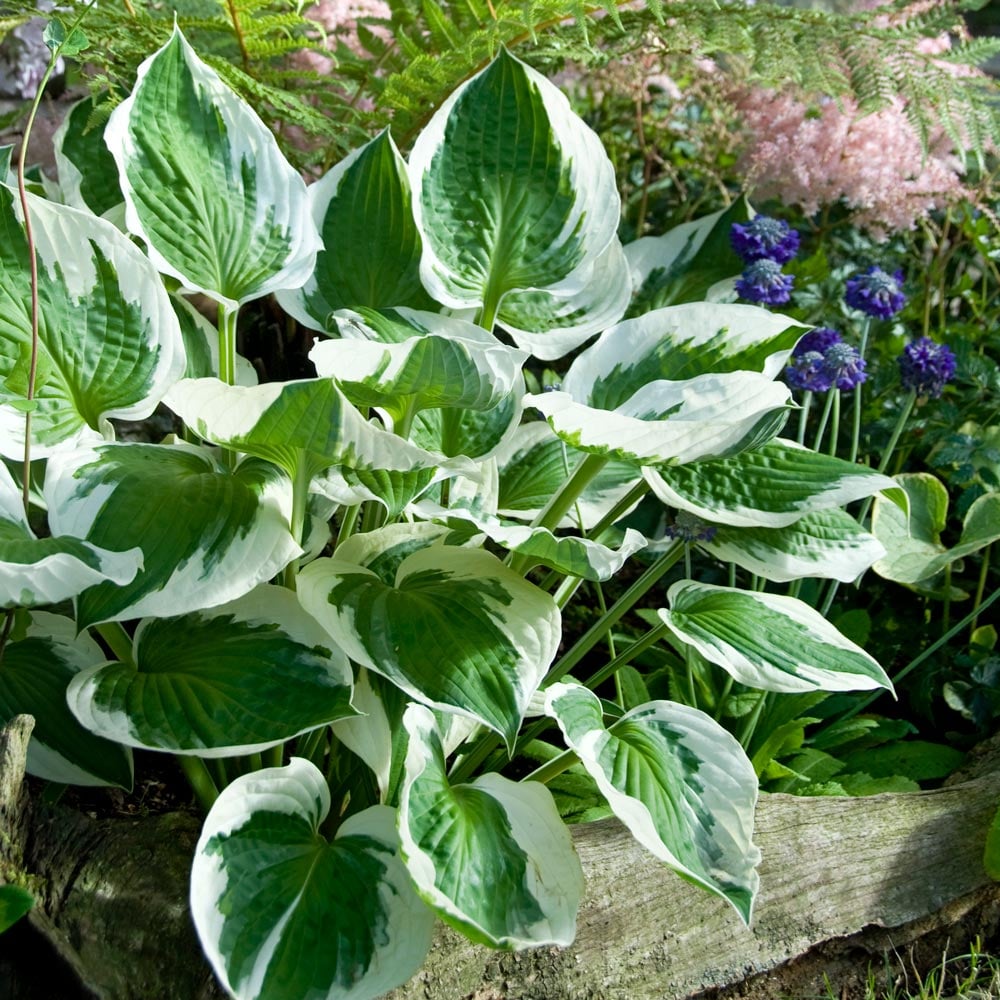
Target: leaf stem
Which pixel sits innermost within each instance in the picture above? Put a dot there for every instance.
(118, 641)
(553, 768)
(200, 780)
(856, 425)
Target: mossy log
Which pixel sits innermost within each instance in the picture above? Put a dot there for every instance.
(837, 874)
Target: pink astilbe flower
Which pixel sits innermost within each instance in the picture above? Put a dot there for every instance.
(816, 156)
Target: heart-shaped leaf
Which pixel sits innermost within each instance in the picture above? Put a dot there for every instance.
(225, 681)
(267, 889)
(205, 184)
(88, 177)
(496, 833)
(680, 783)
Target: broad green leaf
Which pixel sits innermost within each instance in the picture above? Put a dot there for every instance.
(15, 903)
(205, 184)
(226, 681)
(678, 344)
(534, 463)
(88, 176)
(454, 628)
(475, 434)
(512, 192)
(37, 571)
(394, 489)
(915, 553)
(371, 245)
(208, 534)
(34, 674)
(680, 783)
(768, 641)
(109, 343)
(550, 325)
(283, 912)
(769, 487)
(684, 263)
(667, 423)
(920, 760)
(302, 426)
(442, 362)
(495, 834)
(828, 544)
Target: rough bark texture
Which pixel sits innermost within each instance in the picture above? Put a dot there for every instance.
(841, 878)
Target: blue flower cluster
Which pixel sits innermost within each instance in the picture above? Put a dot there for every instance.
(821, 360)
(876, 292)
(925, 367)
(764, 244)
(689, 528)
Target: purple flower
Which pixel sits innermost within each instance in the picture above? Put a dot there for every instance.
(844, 366)
(876, 292)
(689, 527)
(807, 373)
(925, 367)
(764, 238)
(819, 340)
(763, 281)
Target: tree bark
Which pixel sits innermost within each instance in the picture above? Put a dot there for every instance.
(838, 875)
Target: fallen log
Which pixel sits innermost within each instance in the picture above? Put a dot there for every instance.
(838, 874)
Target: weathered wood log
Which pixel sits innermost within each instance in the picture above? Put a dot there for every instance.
(836, 873)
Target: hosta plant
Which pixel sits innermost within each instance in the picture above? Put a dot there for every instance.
(339, 599)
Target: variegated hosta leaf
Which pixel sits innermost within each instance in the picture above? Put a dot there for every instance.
(679, 343)
(208, 534)
(512, 192)
(37, 571)
(88, 177)
(205, 184)
(768, 641)
(680, 783)
(371, 257)
(684, 263)
(475, 434)
(109, 343)
(492, 857)
(454, 628)
(668, 423)
(914, 552)
(201, 344)
(535, 464)
(444, 362)
(35, 671)
(283, 912)
(394, 490)
(306, 423)
(769, 487)
(550, 325)
(221, 682)
(828, 544)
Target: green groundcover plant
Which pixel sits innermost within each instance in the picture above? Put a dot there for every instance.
(339, 599)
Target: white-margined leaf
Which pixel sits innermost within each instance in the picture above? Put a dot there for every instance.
(201, 344)
(538, 202)
(208, 534)
(34, 673)
(768, 641)
(283, 912)
(306, 423)
(109, 343)
(37, 571)
(684, 263)
(769, 487)
(453, 627)
(443, 362)
(680, 783)
(225, 681)
(88, 177)
(371, 245)
(668, 423)
(829, 544)
(492, 857)
(679, 343)
(205, 184)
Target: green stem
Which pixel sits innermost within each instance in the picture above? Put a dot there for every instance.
(300, 506)
(348, 524)
(626, 656)
(553, 768)
(824, 418)
(926, 654)
(8, 624)
(835, 422)
(200, 780)
(980, 587)
(750, 726)
(897, 431)
(118, 640)
(720, 703)
(856, 424)
(804, 417)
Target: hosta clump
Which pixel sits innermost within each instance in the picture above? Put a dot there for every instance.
(303, 580)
